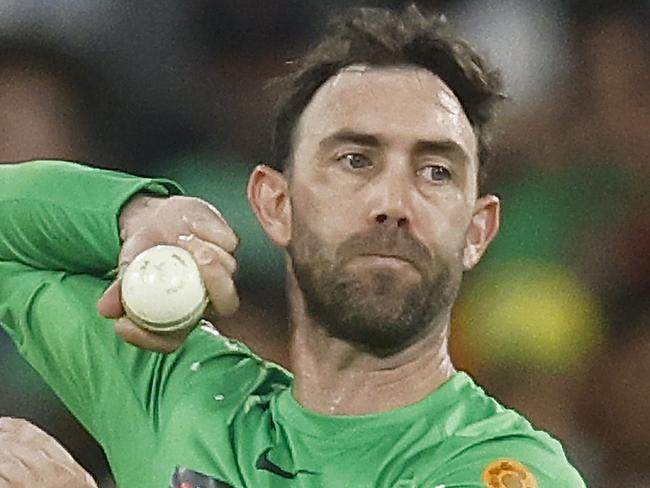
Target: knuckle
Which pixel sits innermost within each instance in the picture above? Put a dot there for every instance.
(186, 201)
(233, 264)
(138, 242)
(218, 269)
(11, 423)
(127, 330)
(138, 342)
(205, 254)
(178, 199)
(213, 209)
(224, 259)
(22, 424)
(125, 337)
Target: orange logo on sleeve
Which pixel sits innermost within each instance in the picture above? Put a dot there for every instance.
(506, 473)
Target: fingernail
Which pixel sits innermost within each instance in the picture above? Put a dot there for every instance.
(188, 222)
(185, 237)
(204, 256)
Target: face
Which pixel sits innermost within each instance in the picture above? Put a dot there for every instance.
(383, 196)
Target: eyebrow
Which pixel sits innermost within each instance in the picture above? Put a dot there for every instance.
(444, 146)
(350, 136)
(448, 147)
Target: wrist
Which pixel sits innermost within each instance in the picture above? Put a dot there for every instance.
(134, 212)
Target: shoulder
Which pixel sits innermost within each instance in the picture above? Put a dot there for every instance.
(496, 447)
(522, 461)
(209, 356)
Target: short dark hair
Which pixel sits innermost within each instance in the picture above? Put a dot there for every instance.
(380, 37)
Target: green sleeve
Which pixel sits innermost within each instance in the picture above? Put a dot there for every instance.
(502, 462)
(52, 319)
(58, 236)
(123, 395)
(57, 215)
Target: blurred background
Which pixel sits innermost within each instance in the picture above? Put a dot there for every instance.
(555, 322)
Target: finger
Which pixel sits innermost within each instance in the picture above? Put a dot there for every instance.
(11, 424)
(221, 289)
(205, 253)
(29, 455)
(144, 339)
(135, 244)
(214, 210)
(216, 268)
(13, 468)
(16, 432)
(36, 438)
(213, 230)
(206, 209)
(27, 433)
(110, 303)
(12, 473)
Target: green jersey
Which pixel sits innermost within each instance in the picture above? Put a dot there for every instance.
(213, 414)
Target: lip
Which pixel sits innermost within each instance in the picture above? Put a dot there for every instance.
(388, 259)
(388, 256)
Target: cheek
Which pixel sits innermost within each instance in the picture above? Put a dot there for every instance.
(326, 210)
(444, 226)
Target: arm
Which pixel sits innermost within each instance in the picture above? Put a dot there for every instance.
(63, 216)
(50, 282)
(515, 460)
(58, 234)
(122, 394)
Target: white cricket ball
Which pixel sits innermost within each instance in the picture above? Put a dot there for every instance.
(162, 289)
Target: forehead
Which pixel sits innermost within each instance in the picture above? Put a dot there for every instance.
(404, 103)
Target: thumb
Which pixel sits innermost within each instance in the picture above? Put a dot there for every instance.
(110, 303)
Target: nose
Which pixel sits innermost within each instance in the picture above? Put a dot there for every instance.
(391, 200)
(384, 218)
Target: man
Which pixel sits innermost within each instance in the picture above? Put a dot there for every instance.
(380, 138)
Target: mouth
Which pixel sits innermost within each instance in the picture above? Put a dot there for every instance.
(387, 256)
(398, 269)
(390, 260)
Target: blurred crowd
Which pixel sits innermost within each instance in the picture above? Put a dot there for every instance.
(556, 321)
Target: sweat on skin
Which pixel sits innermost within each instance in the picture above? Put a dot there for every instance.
(212, 410)
(378, 151)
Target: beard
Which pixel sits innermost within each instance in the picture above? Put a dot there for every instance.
(378, 309)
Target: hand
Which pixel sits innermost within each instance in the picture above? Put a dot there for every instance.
(30, 457)
(187, 222)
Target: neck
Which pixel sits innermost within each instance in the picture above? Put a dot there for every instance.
(335, 377)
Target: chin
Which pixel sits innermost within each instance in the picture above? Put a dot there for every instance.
(379, 321)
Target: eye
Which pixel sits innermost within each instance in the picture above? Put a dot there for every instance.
(355, 160)
(435, 172)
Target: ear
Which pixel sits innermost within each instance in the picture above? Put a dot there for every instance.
(268, 194)
(482, 229)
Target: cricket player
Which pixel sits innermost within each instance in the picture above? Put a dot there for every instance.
(374, 192)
